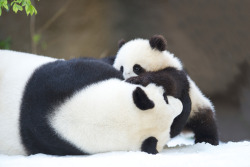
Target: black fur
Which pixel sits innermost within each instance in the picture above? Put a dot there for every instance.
(175, 83)
(50, 86)
(121, 43)
(138, 69)
(109, 60)
(121, 69)
(165, 97)
(204, 126)
(141, 99)
(149, 145)
(158, 42)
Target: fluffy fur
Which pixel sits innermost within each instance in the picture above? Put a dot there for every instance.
(15, 70)
(152, 60)
(175, 83)
(113, 126)
(139, 51)
(80, 106)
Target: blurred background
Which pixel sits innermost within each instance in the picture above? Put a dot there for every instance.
(211, 38)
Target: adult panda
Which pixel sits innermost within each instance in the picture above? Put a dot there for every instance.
(77, 107)
(147, 61)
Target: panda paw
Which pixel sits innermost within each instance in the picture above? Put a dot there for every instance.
(144, 81)
(210, 140)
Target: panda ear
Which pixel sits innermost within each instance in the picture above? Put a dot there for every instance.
(121, 43)
(158, 42)
(149, 145)
(141, 99)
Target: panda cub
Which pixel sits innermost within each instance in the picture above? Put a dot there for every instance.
(147, 61)
(78, 107)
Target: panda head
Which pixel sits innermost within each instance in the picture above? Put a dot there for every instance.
(114, 115)
(141, 55)
(156, 112)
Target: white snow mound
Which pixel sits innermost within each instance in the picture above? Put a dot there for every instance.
(180, 152)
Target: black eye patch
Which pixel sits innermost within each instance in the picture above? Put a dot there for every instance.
(121, 68)
(138, 69)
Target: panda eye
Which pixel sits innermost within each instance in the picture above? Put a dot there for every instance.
(121, 68)
(138, 69)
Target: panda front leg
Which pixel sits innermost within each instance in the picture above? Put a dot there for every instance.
(202, 118)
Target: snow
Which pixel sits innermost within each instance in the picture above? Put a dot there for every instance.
(181, 151)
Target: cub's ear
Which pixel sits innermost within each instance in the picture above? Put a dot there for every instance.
(121, 43)
(158, 42)
(141, 100)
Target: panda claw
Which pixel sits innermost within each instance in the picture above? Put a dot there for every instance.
(138, 81)
(133, 80)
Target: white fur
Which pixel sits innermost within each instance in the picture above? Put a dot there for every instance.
(138, 51)
(198, 99)
(15, 69)
(103, 117)
(99, 118)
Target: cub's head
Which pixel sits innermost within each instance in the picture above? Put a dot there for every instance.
(141, 55)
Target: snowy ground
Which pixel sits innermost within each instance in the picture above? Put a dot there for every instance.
(180, 152)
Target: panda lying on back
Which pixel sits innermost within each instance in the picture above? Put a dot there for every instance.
(78, 107)
(147, 61)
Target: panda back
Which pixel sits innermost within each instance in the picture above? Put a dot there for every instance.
(15, 70)
(51, 85)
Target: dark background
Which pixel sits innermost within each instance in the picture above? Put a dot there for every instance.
(211, 37)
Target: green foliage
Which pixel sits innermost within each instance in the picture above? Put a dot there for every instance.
(5, 44)
(44, 45)
(36, 38)
(18, 5)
